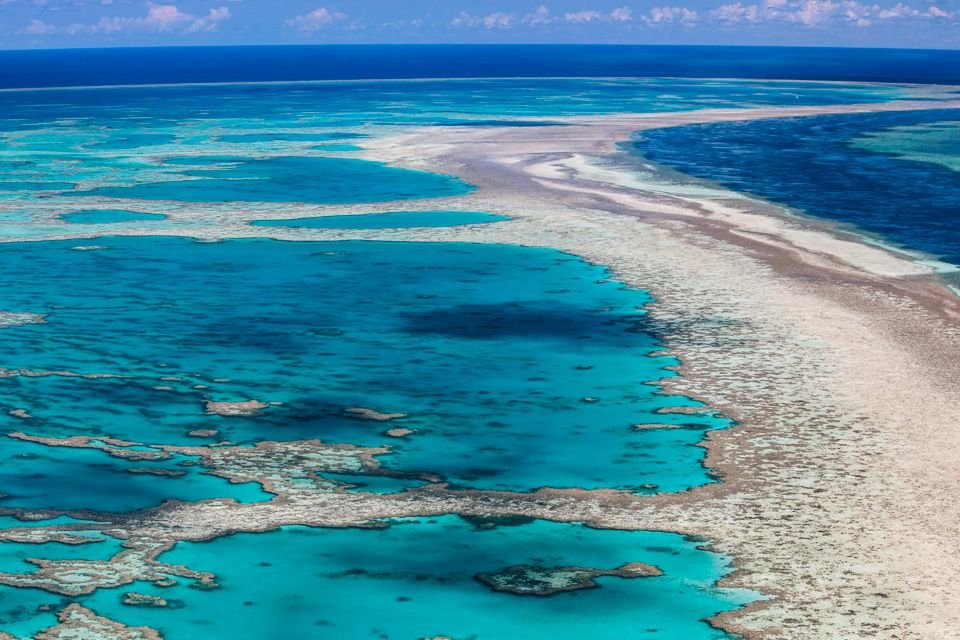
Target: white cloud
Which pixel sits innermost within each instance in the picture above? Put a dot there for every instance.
(314, 20)
(736, 13)
(814, 13)
(160, 18)
(620, 14)
(211, 21)
(464, 19)
(498, 21)
(580, 17)
(492, 21)
(38, 28)
(540, 16)
(681, 15)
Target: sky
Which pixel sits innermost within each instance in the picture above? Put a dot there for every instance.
(110, 23)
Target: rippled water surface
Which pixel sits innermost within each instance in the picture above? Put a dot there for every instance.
(894, 175)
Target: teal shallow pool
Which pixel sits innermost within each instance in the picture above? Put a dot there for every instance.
(508, 361)
(418, 579)
(293, 179)
(108, 216)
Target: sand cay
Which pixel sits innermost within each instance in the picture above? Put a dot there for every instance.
(840, 360)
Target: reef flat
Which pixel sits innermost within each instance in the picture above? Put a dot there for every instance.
(342, 407)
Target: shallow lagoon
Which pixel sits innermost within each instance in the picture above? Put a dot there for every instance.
(294, 179)
(109, 216)
(506, 360)
(416, 579)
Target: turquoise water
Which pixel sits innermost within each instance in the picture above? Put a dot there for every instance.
(290, 137)
(390, 220)
(107, 216)
(13, 557)
(410, 328)
(935, 142)
(416, 579)
(294, 179)
(22, 185)
(35, 476)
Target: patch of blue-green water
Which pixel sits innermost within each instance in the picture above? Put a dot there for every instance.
(294, 179)
(390, 220)
(934, 142)
(290, 137)
(107, 216)
(12, 185)
(36, 476)
(13, 556)
(518, 367)
(417, 579)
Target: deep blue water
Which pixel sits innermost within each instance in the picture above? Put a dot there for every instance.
(86, 67)
(245, 110)
(816, 166)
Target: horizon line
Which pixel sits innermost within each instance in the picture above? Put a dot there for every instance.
(475, 44)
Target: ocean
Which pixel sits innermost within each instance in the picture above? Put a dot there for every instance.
(153, 375)
(176, 65)
(893, 176)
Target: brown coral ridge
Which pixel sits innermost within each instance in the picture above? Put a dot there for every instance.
(244, 408)
(19, 318)
(285, 468)
(111, 446)
(362, 413)
(282, 468)
(134, 599)
(530, 580)
(138, 562)
(79, 623)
